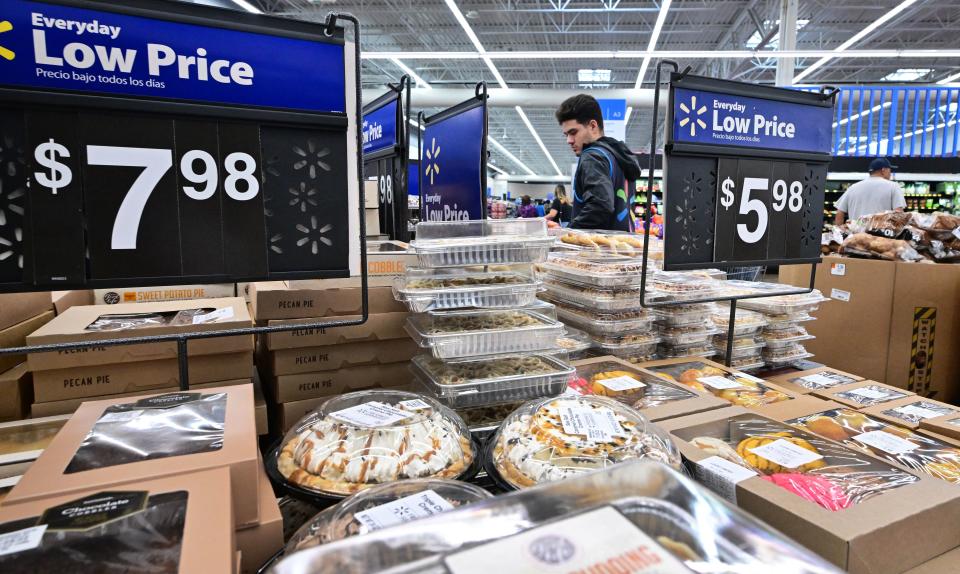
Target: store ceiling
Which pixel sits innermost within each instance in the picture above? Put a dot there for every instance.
(568, 25)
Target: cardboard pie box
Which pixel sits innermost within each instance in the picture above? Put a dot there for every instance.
(70, 327)
(910, 412)
(865, 538)
(207, 540)
(379, 327)
(99, 380)
(321, 298)
(63, 300)
(16, 336)
(16, 393)
(260, 542)
(333, 357)
(18, 307)
(863, 394)
(389, 258)
(945, 426)
(944, 564)
(163, 293)
(700, 401)
(820, 378)
(48, 476)
(289, 388)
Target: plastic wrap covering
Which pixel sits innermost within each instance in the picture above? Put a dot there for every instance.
(574, 343)
(131, 321)
(177, 424)
(672, 286)
(919, 410)
(357, 440)
(783, 337)
(870, 246)
(783, 304)
(630, 386)
(429, 289)
(456, 334)
(732, 386)
(481, 242)
(601, 243)
(607, 272)
(592, 297)
(145, 539)
(869, 395)
(584, 524)
(885, 441)
(682, 315)
(745, 323)
(833, 476)
(556, 438)
(603, 323)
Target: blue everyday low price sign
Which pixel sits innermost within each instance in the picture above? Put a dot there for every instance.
(450, 167)
(380, 128)
(715, 118)
(60, 47)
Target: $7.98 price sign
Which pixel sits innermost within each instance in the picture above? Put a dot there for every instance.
(760, 210)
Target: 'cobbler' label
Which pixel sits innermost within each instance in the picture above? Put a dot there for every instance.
(596, 424)
(721, 476)
(622, 383)
(20, 540)
(372, 414)
(600, 540)
(720, 383)
(822, 381)
(886, 442)
(421, 505)
(921, 413)
(786, 454)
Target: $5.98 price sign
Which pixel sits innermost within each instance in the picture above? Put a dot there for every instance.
(760, 209)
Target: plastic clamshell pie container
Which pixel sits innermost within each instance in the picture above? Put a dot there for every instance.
(784, 337)
(700, 349)
(591, 296)
(358, 440)
(481, 242)
(604, 323)
(459, 288)
(606, 272)
(689, 334)
(490, 380)
(605, 242)
(382, 506)
(725, 383)
(786, 354)
(627, 349)
(787, 321)
(574, 343)
(460, 334)
(644, 506)
(683, 286)
(785, 304)
(682, 315)
(559, 437)
(746, 322)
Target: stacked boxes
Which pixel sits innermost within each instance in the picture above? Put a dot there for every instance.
(20, 315)
(63, 379)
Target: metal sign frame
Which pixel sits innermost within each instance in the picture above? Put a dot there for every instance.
(393, 221)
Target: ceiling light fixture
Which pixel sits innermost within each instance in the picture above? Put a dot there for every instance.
(536, 136)
(657, 27)
(907, 75)
(856, 38)
(247, 6)
(481, 52)
(949, 79)
(409, 71)
(497, 169)
(509, 155)
(673, 54)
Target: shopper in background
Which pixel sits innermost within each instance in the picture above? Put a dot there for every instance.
(872, 195)
(560, 209)
(603, 184)
(527, 209)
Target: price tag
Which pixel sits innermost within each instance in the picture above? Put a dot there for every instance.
(621, 383)
(722, 476)
(720, 383)
(20, 540)
(598, 425)
(416, 404)
(822, 381)
(918, 412)
(869, 393)
(600, 540)
(886, 442)
(371, 414)
(414, 507)
(839, 269)
(840, 295)
(224, 314)
(120, 417)
(786, 454)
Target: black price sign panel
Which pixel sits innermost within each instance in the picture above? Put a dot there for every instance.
(173, 144)
(386, 155)
(744, 173)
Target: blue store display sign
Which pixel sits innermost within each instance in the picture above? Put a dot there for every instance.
(716, 118)
(452, 160)
(50, 46)
(380, 128)
(614, 117)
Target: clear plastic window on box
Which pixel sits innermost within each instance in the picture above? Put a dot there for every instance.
(732, 386)
(627, 385)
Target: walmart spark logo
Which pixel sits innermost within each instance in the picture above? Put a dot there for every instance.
(690, 119)
(6, 54)
(433, 162)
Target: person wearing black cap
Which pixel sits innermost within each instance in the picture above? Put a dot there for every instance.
(872, 195)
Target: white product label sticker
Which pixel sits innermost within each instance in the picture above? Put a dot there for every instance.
(622, 383)
(214, 316)
(839, 269)
(20, 540)
(600, 540)
(416, 404)
(821, 381)
(886, 442)
(371, 414)
(956, 232)
(868, 393)
(840, 295)
(570, 392)
(120, 417)
(720, 383)
(721, 476)
(786, 454)
(596, 424)
(918, 412)
(414, 507)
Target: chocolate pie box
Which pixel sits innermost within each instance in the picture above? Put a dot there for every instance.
(71, 327)
(378, 327)
(912, 411)
(321, 298)
(333, 357)
(699, 401)
(18, 307)
(805, 382)
(260, 542)
(867, 537)
(863, 394)
(289, 388)
(75, 462)
(128, 524)
(17, 336)
(99, 380)
(16, 393)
